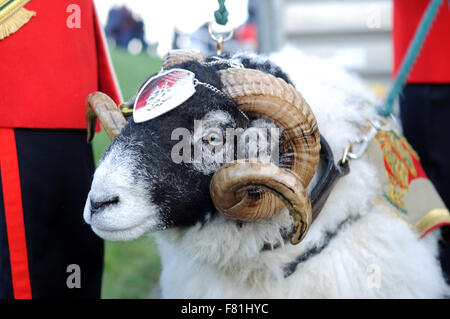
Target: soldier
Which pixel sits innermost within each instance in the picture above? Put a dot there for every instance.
(425, 99)
(53, 55)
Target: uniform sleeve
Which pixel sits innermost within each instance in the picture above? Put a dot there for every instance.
(107, 80)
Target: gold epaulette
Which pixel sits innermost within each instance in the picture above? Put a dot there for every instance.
(13, 16)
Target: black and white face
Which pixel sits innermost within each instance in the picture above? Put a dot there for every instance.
(140, 186)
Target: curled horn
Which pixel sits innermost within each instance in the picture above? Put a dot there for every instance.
(174, 57)
(249, 190)
(235, 176)
(102, 106)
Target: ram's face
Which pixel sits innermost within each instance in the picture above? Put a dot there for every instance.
(148, 181)
(157, 173)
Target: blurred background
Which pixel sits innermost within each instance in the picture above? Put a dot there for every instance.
(355, 34)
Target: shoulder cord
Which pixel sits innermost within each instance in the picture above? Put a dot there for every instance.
(411, 56)
(221, 15)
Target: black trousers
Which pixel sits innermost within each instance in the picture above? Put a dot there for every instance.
(425, 115)
(55, 168)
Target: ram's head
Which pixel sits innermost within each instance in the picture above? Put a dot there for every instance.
(139, 187)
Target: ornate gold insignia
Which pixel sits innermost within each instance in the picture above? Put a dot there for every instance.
(405, 185)
(400, 161)
(13, 16)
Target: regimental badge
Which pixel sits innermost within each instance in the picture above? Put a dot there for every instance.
(402, 166)
(13, 16)
(406, 188)
(162, 93)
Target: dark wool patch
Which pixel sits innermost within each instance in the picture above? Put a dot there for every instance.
(265, 66)
(181, 192)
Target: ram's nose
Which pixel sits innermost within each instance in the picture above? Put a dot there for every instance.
(99, 205)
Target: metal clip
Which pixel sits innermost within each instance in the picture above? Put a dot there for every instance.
(349, 151)
(221, 38)
(346, 150)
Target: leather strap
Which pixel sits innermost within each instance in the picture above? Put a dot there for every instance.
(326, 183)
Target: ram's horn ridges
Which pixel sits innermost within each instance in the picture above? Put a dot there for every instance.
(265, 95)
(102, 106)
(234, 179)
(174, 57)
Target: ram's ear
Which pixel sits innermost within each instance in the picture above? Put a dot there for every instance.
(102, 106)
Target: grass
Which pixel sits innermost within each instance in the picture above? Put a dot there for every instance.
(131, 268)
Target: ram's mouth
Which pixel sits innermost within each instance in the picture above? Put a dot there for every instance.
(120, 219)
(127, 233)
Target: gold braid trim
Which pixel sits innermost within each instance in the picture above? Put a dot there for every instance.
(433, 218)
(13, 17)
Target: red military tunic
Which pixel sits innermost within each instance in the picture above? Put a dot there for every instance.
(433, 63)
(44, 81)
(47, 69)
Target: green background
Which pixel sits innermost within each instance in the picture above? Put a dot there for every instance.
(131, 268)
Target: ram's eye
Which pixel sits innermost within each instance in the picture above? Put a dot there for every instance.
(214, 138)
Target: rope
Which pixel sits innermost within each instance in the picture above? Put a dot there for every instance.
(411, 55)
(221, 15)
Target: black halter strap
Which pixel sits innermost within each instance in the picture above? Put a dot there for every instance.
(327, 181)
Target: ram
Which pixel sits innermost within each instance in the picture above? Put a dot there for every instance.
(300, 222)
